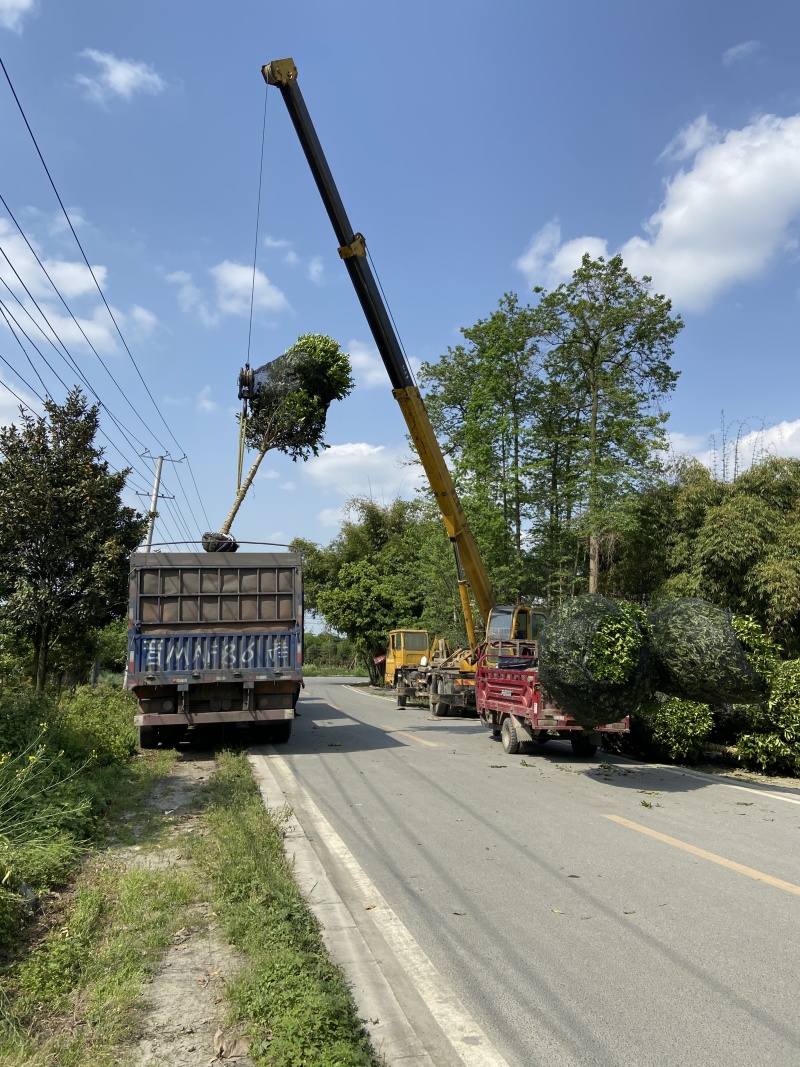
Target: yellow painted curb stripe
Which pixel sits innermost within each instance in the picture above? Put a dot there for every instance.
(411, 737)
(758, 876)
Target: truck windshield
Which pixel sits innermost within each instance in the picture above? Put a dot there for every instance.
(500, 624)
(415, 642)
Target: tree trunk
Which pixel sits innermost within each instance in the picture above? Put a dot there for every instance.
(41, 659)
(594, 561)
(594, 544)
(226, 526)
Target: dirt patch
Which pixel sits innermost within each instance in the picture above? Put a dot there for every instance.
(185, 1002)
(182, 1025)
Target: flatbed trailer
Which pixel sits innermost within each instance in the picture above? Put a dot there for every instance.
(511, 701)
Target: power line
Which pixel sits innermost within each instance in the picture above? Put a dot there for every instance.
(89, 266)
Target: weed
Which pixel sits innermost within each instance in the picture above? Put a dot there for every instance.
(646, 804)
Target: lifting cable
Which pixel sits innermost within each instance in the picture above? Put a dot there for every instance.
(243, 416)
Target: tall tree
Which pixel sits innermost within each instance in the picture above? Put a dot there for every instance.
(65, 535)
(610, 342)
(480, 396)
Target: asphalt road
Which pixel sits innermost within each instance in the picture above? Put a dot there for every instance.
(571, 937)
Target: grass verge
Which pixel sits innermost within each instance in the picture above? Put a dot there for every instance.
(71, 981)
(294, 1002)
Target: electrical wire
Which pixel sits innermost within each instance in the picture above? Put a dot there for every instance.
(94, 278)
(258, 219)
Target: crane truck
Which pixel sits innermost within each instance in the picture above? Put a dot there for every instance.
(511, 630)
(450, 679)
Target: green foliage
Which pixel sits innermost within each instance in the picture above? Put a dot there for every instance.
(290, 406)
(296, 1003)
(738, 544)
(616, 645)
(676, 729)
(65, 536)
(373, 577)
(593, 660)
(60, 769)
(768, 753)
(112, 646)
(762, 653)
(97, 723)
(698, 655)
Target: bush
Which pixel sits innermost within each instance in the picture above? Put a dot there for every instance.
(671, 729)
(97, 723)
(777, 749)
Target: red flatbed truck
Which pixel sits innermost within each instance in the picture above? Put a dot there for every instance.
(510, 700)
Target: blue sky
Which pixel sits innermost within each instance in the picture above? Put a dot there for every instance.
(480, 148)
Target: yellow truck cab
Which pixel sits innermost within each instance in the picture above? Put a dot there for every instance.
(407, 648)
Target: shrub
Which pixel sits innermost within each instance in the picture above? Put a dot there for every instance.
(97, 723)
(674, 729)
(777, 750)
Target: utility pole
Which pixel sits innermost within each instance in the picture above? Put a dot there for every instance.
(151, 515)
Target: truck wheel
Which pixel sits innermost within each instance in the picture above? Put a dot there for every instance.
(508, 735)
(148, 737)
(583, 745)
(438, 707)
(280, 734)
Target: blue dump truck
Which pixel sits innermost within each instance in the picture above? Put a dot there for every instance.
(215, 639)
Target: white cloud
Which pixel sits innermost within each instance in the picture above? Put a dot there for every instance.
(190, 299)
(360, 469)
(276, 242)
(12, 13)
(688, 141)
(740, 51)
(721, 221)
(716, 449)
(286, 485)
(144, 321)
(204, 402)
(175, 401)
(268, 474)
(118, 77)
(330, 517)
(95, 329)
(316, 270)
(234, 282)
(291, 258)
(548, 262)
(367, 365)
(75, 279)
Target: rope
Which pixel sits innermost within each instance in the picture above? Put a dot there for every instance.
(242, 449)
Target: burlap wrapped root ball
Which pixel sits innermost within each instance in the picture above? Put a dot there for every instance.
(594, 660)
(698, 655)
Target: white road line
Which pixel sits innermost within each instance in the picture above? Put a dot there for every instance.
(709, 779)
(468, 1040)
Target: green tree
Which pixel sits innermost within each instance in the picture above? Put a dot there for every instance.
(738, 544)
(609, 344)
(368, 580)
(480, 396)
(65, 535)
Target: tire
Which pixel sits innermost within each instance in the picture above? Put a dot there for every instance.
(148, 737)
(440, 708)
(508, 736)
(280, 733)
(583, 745)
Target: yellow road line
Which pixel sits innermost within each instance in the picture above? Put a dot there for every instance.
(758, 876)
(411, 737)
(331, 704)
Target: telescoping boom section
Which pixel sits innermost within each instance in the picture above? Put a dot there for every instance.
(353, 251)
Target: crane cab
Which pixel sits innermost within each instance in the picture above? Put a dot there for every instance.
(515, 622)
(407, 648)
